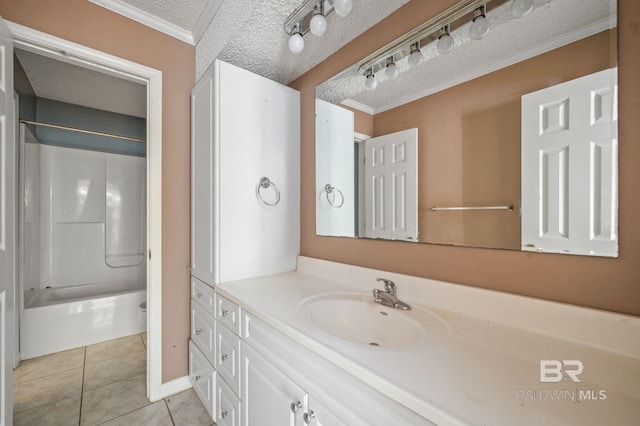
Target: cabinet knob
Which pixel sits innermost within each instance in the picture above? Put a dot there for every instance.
(306, 417)
(224, 357)
(224, 414)
(199, 295)
(225, 313)
(295, 406)
(197, 378)
(198, 332)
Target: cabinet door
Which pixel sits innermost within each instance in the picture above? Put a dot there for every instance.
(259, 137)
(202, 179)
(319, 415)
(268, 396)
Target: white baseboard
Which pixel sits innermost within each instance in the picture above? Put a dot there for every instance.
(175, 386)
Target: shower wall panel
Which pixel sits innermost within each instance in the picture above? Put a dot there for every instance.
(92, 211)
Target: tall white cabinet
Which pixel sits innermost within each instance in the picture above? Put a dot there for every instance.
(245, 213)
(245, 176)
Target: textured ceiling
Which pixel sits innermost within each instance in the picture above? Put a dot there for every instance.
(250, 34)
(509, 40)
(60, 81)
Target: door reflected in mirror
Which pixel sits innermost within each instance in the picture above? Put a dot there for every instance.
(516, 143)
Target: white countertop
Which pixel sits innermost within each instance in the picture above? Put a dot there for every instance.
(483, 366)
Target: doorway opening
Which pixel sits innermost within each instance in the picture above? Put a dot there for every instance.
(73, 220)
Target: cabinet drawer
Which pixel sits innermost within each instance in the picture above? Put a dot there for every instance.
(203, 331)
(203, 378)
(228, 313)
(204, 295)
(228, 406)
(228, 358)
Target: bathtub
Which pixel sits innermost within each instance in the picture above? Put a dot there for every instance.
(60, 318)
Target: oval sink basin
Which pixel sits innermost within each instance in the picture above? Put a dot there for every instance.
(355, 318)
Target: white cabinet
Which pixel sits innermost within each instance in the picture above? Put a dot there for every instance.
(245, 214)
(283, 383)
(245, 176)
(203, 378)
(268, 396)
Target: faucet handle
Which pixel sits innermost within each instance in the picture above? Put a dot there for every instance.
(389, 286)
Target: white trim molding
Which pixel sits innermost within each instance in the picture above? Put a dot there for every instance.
(152, 21)
(73, 53)
(175, 386)
(192, 37)
(357, 105)
(205, 18)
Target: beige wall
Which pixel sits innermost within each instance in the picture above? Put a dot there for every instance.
(83, 22)
(610, 284)
(474, 158)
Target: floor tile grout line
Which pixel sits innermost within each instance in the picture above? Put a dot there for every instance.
(46, 375)
(84, 368)
(166, 404)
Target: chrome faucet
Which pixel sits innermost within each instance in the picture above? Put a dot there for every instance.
(389, 297)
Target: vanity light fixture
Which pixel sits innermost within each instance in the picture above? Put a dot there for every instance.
(521, 8)
(480, 24)
(343, 7)
(415, 55)
(318, 23)
(296, 42)
(410, 42)
(445, 41)
(437, 29)
(310, 15)
(371, 82)
(392, 69)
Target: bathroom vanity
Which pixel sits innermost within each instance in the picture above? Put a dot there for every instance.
(294, 349)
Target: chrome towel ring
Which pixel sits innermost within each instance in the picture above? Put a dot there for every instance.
(265, 183)
(329, 190)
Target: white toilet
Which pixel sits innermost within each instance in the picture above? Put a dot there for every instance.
(142, 315)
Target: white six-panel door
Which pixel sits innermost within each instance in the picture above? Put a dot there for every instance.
(570, 167)
(391, 186)
(7, 220)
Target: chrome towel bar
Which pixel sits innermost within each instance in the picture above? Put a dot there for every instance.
(441, 209)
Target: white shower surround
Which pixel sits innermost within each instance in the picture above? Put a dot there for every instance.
(85, 212)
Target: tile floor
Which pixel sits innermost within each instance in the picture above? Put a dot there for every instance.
(101, 384)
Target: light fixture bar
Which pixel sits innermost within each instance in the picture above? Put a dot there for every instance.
(302, 11)
(400, 46)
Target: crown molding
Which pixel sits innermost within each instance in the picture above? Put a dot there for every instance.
(205, 18)
(359, 106)
(131, 12)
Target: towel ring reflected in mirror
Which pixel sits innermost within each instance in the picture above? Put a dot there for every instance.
(328, 189)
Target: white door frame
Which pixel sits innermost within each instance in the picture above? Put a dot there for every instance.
(73, 53)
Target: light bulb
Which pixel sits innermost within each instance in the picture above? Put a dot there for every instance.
(445, 44)
(371, 82)
(415, 57)
(343, 7)
(318, 25)
(479, 27)
(392, 71)
(296, 43)
(521, 8)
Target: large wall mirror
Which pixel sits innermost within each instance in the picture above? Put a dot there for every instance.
(453, 135)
